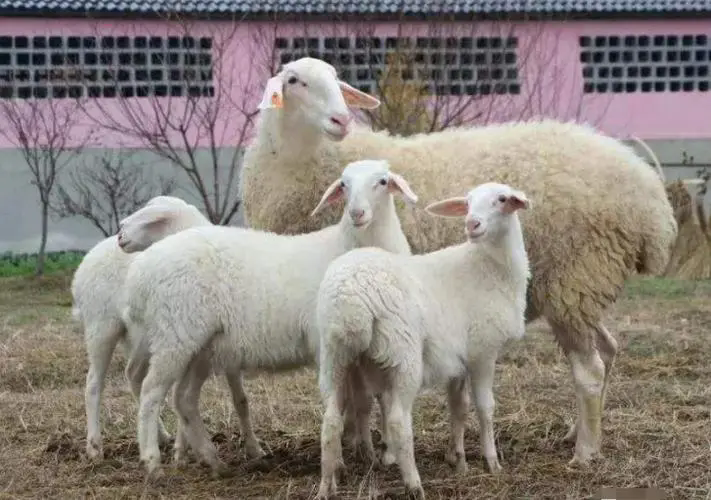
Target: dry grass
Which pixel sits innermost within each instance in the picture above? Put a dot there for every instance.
(656, 425)
(691, 255)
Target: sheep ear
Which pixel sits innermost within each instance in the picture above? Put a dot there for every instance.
(517, 200)
(396, 183)
(273, 96)
(152, 215)
(451, 207)
(357, 99)
(333, 193)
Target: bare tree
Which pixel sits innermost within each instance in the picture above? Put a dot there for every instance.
(189, 121)
(106, 189)
(48, 134)
(443, 73)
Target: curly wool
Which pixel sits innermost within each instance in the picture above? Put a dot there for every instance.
(601, 212)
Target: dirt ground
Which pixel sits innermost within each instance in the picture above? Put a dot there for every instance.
(657, 426)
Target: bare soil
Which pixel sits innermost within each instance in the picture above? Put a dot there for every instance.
(657, 422)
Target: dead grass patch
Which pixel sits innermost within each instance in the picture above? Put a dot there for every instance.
(656, 423)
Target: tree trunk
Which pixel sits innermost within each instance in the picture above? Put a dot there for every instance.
(39, 270)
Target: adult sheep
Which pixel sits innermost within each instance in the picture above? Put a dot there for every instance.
(602, 211)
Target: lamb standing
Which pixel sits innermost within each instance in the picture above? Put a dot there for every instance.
(604, 212)
(407, 321)
(247, 295)
(94, 292)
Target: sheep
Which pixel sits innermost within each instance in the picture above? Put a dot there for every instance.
(94, 296)
(605, 214)
(405, 321)
(248, 296)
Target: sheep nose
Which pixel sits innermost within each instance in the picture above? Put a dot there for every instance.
(357, 214)
(341, 120)
(472, 224)
(121, 242)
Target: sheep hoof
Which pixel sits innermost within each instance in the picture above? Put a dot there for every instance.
(94, 451)
(221, 471)
(572, 433)
(492, 463)
(583, 459)
(461, 467)
(154, 471)
(458, 461)
(416, 493)
(255, 452)
(180, 458)
(327, 489)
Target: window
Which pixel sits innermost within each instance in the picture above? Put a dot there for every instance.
(105, 66)
(447, 66)
(645, 63)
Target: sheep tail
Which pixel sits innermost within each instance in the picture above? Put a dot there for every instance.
(346, 336)
(658, 241)
(652, 156)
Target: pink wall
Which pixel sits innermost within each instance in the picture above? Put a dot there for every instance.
(550, 73)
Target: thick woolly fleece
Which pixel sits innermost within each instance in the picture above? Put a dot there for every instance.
(96, 289)
(601, 211)
(250, 295)
(410, 321)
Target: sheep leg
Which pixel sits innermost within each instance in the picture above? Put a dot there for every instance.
(388, 457)
(398, 420)
(458, 399)
(362, 405)
(135, 372)
(482, 377)
(331, 434)
(165, 368)
(186, 402)
(589, 374)
(189, 387)
(607, 346)
(99, 348)
(239, 400)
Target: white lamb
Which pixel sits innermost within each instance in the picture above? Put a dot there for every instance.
(404, 322)
(247, 295)
(94, 289)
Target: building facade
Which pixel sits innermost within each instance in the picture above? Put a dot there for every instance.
(137, 75)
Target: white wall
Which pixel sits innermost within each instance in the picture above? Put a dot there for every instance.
(20, 208)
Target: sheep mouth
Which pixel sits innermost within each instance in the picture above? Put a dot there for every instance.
(335, 136)
(360, 224)
(475, 236)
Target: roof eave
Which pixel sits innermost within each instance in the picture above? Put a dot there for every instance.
(347, 16)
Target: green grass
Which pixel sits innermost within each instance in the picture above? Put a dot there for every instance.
(24, 264)
(665, 288)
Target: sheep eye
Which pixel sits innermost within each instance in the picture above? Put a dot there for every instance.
(383, 182)
(502, 198)
(292, 80)
(343, 184)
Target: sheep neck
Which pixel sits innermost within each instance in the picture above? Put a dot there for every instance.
(506, 250)
(384, 230)
(303, 140)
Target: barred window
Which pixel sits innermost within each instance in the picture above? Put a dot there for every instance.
(446, 65)
(645, 63)
(105, 66)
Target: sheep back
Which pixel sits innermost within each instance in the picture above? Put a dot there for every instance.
(601, 213)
